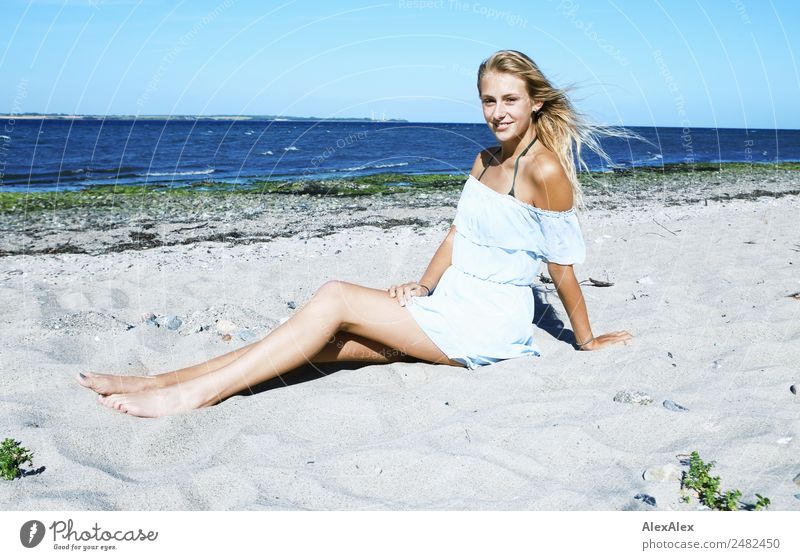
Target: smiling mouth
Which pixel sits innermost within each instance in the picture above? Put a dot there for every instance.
(502, 126)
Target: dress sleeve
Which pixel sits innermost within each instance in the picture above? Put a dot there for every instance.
(563, 240)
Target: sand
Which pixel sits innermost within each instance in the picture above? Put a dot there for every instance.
(703, 288)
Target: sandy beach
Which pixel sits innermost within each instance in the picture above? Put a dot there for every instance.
(702, 267)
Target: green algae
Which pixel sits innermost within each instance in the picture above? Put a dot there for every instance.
(383, 184)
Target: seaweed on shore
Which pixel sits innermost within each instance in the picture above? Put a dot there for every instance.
(152, 197)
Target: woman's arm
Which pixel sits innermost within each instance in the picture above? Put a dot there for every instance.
(569, 290)
(440, 261)
(553, 191)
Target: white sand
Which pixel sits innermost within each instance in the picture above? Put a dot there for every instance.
(528, 434)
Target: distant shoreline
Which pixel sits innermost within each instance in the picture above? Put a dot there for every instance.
(273, 118)
(60, 117)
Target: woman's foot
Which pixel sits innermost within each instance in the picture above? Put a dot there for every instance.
(114, 384)
(160, 402)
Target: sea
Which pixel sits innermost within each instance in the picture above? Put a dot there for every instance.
(54, 154)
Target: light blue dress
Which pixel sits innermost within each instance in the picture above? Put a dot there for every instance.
(481, 311)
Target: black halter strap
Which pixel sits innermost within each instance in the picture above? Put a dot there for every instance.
(516, 163)
(525, 151)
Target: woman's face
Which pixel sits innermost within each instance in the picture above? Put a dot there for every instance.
(507, 107)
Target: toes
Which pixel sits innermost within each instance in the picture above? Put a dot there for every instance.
(111, 401)
(83, 379)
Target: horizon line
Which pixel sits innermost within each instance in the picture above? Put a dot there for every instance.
(228, 117)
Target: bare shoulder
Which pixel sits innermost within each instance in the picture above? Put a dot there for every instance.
(482, 161)
(552, 188)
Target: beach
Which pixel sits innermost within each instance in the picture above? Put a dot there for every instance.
(703, 265)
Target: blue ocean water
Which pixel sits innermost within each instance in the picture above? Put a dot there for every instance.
(42, 154)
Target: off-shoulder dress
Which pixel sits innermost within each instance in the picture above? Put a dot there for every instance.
(481, 311)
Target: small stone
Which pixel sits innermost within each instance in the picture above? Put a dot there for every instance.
(664, 473)
(225, 326)
(674, 407)
(796, 479)
(717, 364)
(794, 389)
(248, 335)
(797, 496)
(169, 321)
(633, 397)
(646, 498)
(226, 338)
(149, 318)
(291, 305)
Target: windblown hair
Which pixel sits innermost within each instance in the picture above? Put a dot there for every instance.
(559, 127)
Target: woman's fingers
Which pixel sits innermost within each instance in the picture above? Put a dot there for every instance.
(614, 337)
(407, 293)
(404, 292)
(607, 339)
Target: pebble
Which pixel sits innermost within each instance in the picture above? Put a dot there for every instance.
(169, 321)
(291, 305)
(248, 335)
(149, 318)
(633, 397)
(717, 364)
(794, 389)
(674, 407)
(796, 479)
(646, 498)
(797, 496)
(225, 326)
(664, 473)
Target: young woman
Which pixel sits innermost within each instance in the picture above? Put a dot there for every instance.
(473, 306)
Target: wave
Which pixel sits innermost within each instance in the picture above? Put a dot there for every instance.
(291, 148)
(176, 173)
(376, 166)
(56, 174)
(4, 137)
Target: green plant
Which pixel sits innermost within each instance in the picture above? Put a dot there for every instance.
(708, 490)
(762, 502)
(11, 457)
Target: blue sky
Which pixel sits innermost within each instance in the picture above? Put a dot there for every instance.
(666, 63)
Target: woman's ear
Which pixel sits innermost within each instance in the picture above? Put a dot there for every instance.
(537, 104)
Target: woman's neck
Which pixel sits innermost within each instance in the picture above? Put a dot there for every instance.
(514, 146)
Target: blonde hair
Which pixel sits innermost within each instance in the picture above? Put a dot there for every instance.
(559, 127)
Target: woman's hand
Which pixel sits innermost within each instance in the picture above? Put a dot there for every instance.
(405, 292)
(607, 339)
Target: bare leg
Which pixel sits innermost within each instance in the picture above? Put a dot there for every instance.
(337, 306)
(343, 347)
